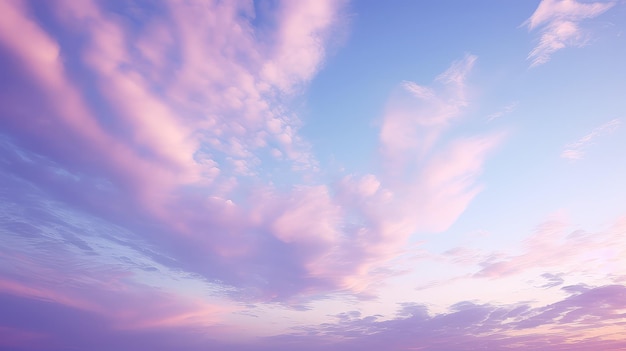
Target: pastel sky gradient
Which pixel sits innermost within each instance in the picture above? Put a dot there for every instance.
(313, 175)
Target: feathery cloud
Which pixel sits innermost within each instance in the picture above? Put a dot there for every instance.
(505, 111)
(559, 25)
(576, 151)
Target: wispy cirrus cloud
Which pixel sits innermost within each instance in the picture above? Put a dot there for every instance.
(553, 246)
(417, 115)
(576, 151)
(545, 259)
(428, 179)
(503, 112)
(559, 25)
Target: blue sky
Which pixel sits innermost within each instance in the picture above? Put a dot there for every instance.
(271, 175)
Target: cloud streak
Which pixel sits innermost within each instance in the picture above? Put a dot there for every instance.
(505, 111)
(576, 151)
(559, 24)
(553, 246)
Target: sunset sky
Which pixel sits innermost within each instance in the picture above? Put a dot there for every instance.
(281, 175)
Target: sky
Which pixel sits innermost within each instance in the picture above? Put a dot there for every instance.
(313, 175)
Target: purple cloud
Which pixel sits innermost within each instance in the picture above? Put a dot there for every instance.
(467, 326)
(470, 326)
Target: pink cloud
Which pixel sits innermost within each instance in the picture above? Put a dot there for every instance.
(342, 234)
(431, 181)
(299, 48)
(451, 178)
(425, 186)
(560, 23)
(146, 144)
(183, 108)
(70, 132)
(553, 246)
(131, 167)
(549, 10)
(416, 115)
(576, 150)
(167, 108)
(113, 296)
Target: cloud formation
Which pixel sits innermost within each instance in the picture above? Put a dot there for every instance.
(505, 111)
(577, 322)
(559, 24)
(159, 189)
(553, 245)
(576, 151)
(189, 105)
